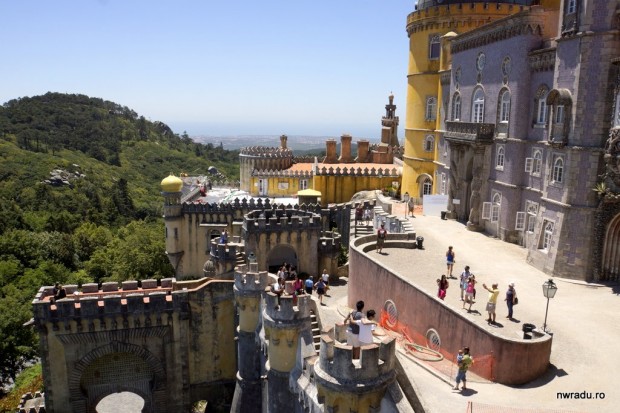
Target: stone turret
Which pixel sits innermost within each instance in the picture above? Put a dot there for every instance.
(249, 286)
(347, 385)
(283, 322)
(171, 191)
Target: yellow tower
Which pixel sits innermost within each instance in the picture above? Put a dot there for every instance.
(427, 28)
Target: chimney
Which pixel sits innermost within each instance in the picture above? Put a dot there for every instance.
(362, 150)
(283, 139)
(331, 157)
(345, 149)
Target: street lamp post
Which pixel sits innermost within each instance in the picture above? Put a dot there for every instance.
(406, 201)
(549, 290)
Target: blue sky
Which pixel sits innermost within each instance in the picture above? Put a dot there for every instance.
(218, 68)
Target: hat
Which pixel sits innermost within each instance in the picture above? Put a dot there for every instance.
(382, 223)
(511, 284)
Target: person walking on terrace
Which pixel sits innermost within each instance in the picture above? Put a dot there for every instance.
(443, 287)
(450, 260)
(511, 299)
(353, 330)
(469, 292)
(381, 235)
(465, 362)
(463, 281)
(492, 303)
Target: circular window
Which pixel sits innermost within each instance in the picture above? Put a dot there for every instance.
(392, 314)
(480, 61)
(433, 341)
(506, 66)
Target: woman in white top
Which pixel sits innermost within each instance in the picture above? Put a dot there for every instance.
(367, 326)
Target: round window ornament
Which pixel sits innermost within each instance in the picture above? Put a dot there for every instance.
(480, 61)
(392, 313)
(433, 341)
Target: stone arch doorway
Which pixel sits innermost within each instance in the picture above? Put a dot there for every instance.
(279, 255)
(611, 250)
(131, 402)
(425, 185)
(115, 368)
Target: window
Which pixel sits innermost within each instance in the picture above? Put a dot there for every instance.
(434, 48)
(497, 200)
(427, 187)
(456, 107)
(499, 157)
(504, 109)
(537, 164)
(572, 6)
(303, 184)
(541, 111)
(559, 114)
(545, 242)
(443, 184)
(429, 143)
(486, 210)
(558, 170)
(520, 221)
(532, 211)
(431, 108)
(477, 115)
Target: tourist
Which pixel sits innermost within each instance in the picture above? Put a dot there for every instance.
(278, 287)
(282, 273)
(463, 281)
(367, 326)
(381, 235)
(450, 260)
(492, 302)
(359, 214)
(469, 292)
(367, 215)
(309, 283)
(320, 289)
(411, 206)
(443, 287)
(353, 329)
(511, 299)
(463, 365)
(298, 285)
(292, 273)
(59, 292)
(224, 237)
(325, 278)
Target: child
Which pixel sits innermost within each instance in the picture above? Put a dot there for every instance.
(320, 290)
(309, 285)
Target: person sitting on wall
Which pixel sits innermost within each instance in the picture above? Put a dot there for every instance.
(224, 237)
(60, 293)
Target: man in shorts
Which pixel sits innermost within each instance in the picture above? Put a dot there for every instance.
(353, 329)
(463, 364)
(493, 293)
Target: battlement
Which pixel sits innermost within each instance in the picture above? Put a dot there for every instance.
(32, 403)
(336, 359)
(281, 220)
(225, 252)
(329, 241)
(283, 174)
(93, 303)
(353, 171)
(266, 152)
(249, 280)
(289, 308)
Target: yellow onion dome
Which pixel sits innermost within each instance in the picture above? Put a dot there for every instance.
(171, 184)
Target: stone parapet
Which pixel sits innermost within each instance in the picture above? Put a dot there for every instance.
(282, 174)
(250, 281)
(266, 151)
(281, 220)
(353, 171)
(286, 308)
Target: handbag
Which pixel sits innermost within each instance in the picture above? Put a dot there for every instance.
(515, 301)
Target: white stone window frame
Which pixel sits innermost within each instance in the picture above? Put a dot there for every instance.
(496, 204)
(456, 107)
(546, 235)
(504, 106)
(429, 143)
(443, 183)
(520, 220)
(427, 186)
(434, 47)
(477, 105)
(303, 184)
(559, 114)
(537, 162)
(532, 214)
(558, 170)
(542, 109)
(500, 157)
(430, 110)
(571, 6)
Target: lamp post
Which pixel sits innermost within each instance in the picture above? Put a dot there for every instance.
(549, 290)
(406, 201)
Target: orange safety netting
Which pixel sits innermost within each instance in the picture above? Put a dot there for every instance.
(427, 349)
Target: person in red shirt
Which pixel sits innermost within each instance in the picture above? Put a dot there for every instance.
(381, 235)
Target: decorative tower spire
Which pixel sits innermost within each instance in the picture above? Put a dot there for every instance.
(390, 121)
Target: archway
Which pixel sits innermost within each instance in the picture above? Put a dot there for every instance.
(611, 250)
(131, 402)
(279, 255)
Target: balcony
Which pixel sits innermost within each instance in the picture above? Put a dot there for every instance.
(469, 132)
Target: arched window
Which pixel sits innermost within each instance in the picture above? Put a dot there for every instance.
(456, 107)
(571, 7)
(434, 47)
(558, 170)
(497, 201)
(504, 108)
(427, 187)
(431, 108)
(477, 113)
(429, 143)
(541, 105)
(537, 162)
(547, 234)
(499, 158)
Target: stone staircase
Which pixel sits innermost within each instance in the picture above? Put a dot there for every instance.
(361, 229)
(316, 331)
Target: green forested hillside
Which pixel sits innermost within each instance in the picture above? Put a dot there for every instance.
(103, 222)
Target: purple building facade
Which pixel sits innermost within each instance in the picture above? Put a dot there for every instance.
(528, 127)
